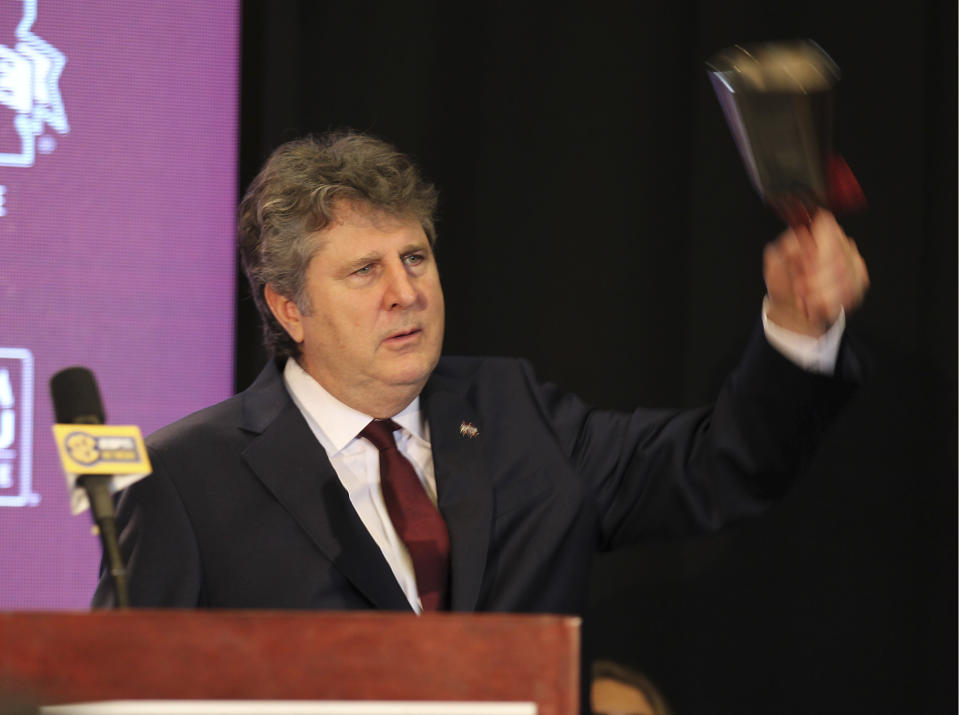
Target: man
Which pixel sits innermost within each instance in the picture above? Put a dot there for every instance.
(361, 470)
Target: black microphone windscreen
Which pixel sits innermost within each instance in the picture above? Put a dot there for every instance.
(76, 397)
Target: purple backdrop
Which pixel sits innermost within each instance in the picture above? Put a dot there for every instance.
(118, 135)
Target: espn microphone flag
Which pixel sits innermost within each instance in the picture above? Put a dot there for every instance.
(113, 456)
(114, 450)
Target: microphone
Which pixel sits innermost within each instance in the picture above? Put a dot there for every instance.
(76, 397)
(98, 460)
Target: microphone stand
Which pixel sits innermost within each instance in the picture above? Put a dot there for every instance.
(97, 487)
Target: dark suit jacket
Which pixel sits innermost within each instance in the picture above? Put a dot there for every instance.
(244, 509)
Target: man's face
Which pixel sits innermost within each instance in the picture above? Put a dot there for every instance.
(375, 326)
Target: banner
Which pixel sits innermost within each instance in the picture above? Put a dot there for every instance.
(118, 136)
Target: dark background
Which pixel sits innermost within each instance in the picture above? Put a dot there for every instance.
(596, 218)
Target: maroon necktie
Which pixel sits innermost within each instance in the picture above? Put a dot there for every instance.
(417, 522)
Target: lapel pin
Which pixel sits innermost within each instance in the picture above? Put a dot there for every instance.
(468, 429)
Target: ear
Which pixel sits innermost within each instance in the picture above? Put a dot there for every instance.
(286, 313)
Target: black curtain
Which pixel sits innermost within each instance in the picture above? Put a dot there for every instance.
(596, 218)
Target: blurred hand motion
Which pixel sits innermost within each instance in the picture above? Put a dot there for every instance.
(812, 273)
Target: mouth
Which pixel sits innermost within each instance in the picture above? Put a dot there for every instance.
(403, 336)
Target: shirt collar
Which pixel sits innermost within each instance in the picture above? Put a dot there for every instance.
(340, 423)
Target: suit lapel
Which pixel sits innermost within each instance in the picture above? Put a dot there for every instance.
(290, 462)
(463, 487)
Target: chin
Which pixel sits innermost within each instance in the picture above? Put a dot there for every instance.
(413, 371)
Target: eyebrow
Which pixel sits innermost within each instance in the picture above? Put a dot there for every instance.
(374, 256)
(361, 261)
(415, 246)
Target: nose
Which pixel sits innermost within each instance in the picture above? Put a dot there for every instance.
(400, 289)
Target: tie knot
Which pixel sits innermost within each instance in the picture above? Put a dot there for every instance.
(380, 433)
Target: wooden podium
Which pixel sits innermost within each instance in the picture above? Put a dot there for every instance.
(56, 657)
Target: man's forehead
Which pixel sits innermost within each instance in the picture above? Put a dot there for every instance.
(362, 215)
(359, 213)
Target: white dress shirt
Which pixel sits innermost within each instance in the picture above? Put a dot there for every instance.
(809, 353)
(357, 462)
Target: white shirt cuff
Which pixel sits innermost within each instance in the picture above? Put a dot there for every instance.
(812, 354)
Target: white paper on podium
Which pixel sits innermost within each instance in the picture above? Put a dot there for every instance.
(290, 707)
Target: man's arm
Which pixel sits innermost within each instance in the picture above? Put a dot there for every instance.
(663, 472)
(157, 546)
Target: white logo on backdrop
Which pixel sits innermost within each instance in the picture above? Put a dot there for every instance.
(16, 428)
(30, 86)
